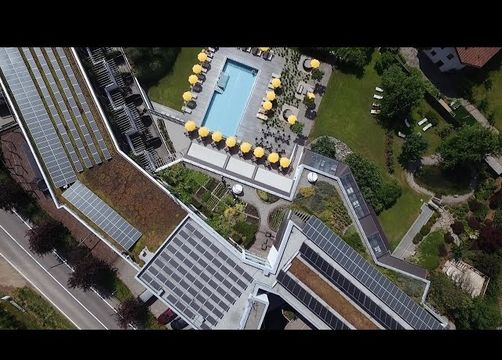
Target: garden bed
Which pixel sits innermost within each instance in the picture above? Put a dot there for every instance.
(443, 182)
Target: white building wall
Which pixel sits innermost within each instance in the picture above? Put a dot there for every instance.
(437, 54)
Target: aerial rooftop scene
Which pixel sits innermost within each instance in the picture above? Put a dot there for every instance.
(250, 188)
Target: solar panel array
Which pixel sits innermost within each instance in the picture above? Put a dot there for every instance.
(348, 288)
(102, 215)
(367, 275)
(310, 302)
(35, 116)
(199, 276)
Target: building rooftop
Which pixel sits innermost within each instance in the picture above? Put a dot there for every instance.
(476, 56)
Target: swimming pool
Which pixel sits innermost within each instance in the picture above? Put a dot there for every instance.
(227, 107)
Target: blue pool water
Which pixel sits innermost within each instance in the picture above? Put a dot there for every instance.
(225, 110)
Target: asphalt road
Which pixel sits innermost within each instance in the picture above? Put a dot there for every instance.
(406, 248)
(86, 310)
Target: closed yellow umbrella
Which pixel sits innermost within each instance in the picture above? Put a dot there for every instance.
(284, 162)
(315, 63)
(203, 132)
(190, 125)
(192, 79)
(187, 96)
(271, 95)
(291, 119)
(230, 142)
(259, 152)
(273, 157)
(311, 95)
(217, 136)
(245, 147)
(276, 82)
(267, 105)
(202, 56)
(264, 49)
(197, 68)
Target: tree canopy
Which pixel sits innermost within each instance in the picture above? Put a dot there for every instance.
(354, 57)
(468, 146)
(413, 149)
(151, 63)
(325, 146)
(132, 311)
(46, 236)
(402, 92)
(92, 272)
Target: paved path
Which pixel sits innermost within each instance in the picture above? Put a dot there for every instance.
(476, 114)
(430, 160)
(406, 248)
(410, 179)
(86, 310)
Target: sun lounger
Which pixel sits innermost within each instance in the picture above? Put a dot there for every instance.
(427, 127)
(375, 105)
(194, 96)
(186, 110)
(401, 135)
(375, 112)
(248, 49)
(204, 70)
(407, 123)
(379, 89)
(211, 49)
(271, 87)
(276, 76)
(378, 97)
(269, 55)
(424, 120)
(262, 116)
(208, 60)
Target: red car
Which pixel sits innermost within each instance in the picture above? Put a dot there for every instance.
(166, 317)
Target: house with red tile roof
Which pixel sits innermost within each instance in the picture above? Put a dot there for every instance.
(456, 58)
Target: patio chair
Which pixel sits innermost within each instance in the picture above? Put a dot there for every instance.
(378, 97)
(299, 89)
(186, 110)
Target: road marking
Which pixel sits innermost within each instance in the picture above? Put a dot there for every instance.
(48, 273)
(40, 291)
(19, 216)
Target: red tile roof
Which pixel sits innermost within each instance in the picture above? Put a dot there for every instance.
(476, 56)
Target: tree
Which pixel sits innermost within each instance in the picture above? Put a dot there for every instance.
(490, 239)
(46, 236)
(353, 57)
(448, 298)
(497, 219)
(474, 205)
(151, 63)
(412, 150)
(132, 311)
(496, 200)
(92, 272)
(468, 147)
(448, 238)
(473, 223)
(325, 146)
(483, 316)
(443, 251)
(402, 93)
(457, 227)
(385, 61)
(10, 193)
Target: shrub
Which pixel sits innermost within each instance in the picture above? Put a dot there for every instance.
(246, 232)
(496, 200)
(497, 219)
(474, 205)
(317, 74)
(457, 227)
(418, 237)
(384, 62)
(297, 127)
(325, 146)
(473, 223)
(448, 238)
(443, 251)
(307, 191)
(485, 189)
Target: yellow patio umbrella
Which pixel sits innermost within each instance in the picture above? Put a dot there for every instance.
(203, 132)
(230, 142)
(245, 147)
(187, 96)
(264, 49)
(291, 119)
(190, 125)
(197, 68)
(284, 162)
(217, 136)
(273, 157)
(276, 82)
(271, 95)
(315, 63)
(192, 79)
(267, 105)
(311, 95)
(202, 56)
(259, 152)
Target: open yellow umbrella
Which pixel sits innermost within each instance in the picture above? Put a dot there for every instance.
(192, 79)
(230, 142)
(259, 152)
(197, 68)
(202, 56)
(217, 136)
(276, 82)
(203, 132)
(291, 119)
(245, 147)
(190, 125)
(273, 157)
(315, 63)
(271, 95)
(311, 95)
(187, 96)
(267, 105)
(284, 162)
(264, 49)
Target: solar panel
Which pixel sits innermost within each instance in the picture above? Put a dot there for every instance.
(345, 256)
(102, 215)
(348, 288)
(36, 118)
(310, 302)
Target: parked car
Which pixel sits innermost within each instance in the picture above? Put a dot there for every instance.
(179, 324)
(166, 317)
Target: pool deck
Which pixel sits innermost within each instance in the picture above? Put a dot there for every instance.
(249, 126)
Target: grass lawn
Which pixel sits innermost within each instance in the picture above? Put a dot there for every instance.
(345, 114)
(431, 135)
(122, 292)
(169, 89)
(428, 251)
(443, 183)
